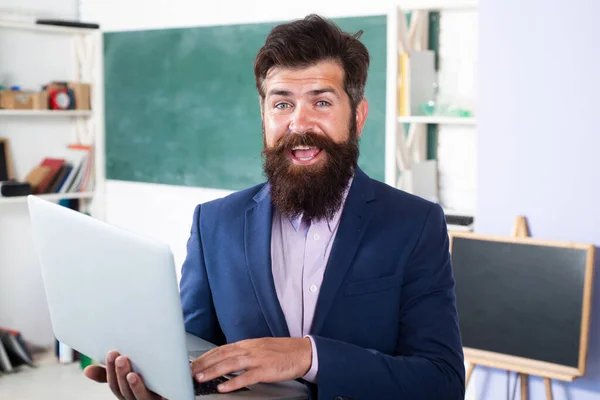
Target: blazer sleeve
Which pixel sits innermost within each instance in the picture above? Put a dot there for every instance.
(199, 316)
(429, 363)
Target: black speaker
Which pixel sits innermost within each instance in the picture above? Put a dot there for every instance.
(13, 189)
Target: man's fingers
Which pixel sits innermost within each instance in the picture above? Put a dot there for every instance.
(228, 366)
(111, 374)
(139, 390)
(123, 369)
(124, 384)
(96, 373)
(220, 353)
(216, 353)
(206, 361)
(246, 379)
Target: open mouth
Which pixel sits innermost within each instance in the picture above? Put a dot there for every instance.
(305, 155)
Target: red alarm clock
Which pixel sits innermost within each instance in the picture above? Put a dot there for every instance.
(59, 98)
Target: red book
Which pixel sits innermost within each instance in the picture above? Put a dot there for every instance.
(54, 164)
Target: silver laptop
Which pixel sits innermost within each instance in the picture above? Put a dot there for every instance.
(109, 289)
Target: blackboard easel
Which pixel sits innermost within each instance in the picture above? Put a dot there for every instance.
(520, 230)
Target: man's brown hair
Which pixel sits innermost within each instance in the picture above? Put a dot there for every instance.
(305, 42)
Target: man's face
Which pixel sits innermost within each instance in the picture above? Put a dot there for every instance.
(310, 138)
(312, 99)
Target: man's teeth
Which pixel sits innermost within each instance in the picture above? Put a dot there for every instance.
(305, 153)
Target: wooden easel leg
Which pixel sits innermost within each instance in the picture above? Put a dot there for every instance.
(524, 386)
(469, 373)
(520, 229)
(548, 384)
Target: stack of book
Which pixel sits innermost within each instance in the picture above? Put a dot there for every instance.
(13, 351)
(69, 173)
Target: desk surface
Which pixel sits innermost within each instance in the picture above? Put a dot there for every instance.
(51, 380)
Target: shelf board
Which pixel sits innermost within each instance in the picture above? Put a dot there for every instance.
(46, 113)
(49, 197)
(31, 26)
(434, 119)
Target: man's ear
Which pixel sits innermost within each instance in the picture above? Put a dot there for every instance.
(362, 110)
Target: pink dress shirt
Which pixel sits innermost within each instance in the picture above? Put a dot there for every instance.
(299, 253)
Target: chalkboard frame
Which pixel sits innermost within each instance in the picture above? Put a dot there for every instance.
(530, 366)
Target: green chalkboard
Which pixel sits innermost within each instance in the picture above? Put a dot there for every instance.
(182, 108)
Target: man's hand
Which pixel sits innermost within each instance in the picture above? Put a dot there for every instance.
(263, 360)
(125, 385)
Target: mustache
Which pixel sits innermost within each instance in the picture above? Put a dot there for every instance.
(310, 139)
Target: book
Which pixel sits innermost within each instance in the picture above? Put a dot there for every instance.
(404, 97)
(36, 176)
(54, 164)
(21, 342)
(16, 351)
(77, 158)
(61, 176)
(84, 179)
(65, 354)
(5, 364)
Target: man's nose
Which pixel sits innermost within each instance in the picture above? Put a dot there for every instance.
(302, 120)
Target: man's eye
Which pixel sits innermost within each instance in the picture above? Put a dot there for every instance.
(282, 105)
(323, 103)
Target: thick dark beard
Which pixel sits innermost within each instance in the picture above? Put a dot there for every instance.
(315, 191)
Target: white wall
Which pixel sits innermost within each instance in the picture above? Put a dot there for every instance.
(43, 8)
(179, 13)
(29, 59)
(163, 212)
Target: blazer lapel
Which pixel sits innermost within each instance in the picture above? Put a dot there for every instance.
(257, 240)
(355, 217)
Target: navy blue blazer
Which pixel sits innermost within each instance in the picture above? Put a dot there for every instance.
(385, 324)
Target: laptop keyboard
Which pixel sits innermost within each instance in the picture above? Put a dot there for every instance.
(210, 387)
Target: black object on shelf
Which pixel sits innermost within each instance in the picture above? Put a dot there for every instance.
(462, 220)
(66, 23)
(14, 189)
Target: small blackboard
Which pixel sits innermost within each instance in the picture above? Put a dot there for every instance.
(523, 304)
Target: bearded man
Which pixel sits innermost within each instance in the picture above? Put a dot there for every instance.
(321, 274)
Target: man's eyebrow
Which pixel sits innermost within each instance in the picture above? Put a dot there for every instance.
(317, 92)
(279, 92)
